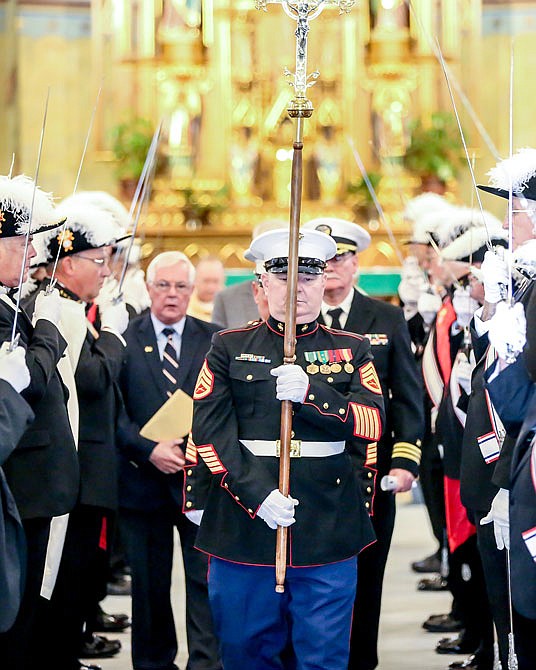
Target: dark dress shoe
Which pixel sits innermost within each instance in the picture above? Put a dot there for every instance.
(111, 623)
(474, 662)
(455, 645)
(436, 583)
(99, 647)
(428, 564)
(442, 623)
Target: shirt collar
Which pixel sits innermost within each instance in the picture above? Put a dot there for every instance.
(159, 326)
(344, 305)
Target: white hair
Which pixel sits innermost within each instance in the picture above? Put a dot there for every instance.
(167, 258)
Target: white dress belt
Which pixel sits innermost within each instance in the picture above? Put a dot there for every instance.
(298, 448)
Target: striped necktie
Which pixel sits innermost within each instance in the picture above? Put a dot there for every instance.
(170, 364)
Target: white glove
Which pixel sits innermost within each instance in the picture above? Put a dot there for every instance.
(500, 517)
(194, 516)
(429, 305)
(114, 317)
(48, 306)
(412, 282)
(508, 331)
(464, 306)
(292, 382)
(463, 371)
(13, 368)
(277, 510)
(494, 271)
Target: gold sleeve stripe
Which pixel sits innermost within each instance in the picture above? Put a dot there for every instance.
(369, 378)
(372, 453)
(205, 382)
(209, 455)
(367, 422)
(407, 450)
(191, 450)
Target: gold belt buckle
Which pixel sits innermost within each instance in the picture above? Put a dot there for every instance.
(295, 448)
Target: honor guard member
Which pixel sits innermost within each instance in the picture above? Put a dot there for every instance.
(397, 454)
(42, 472)
(94, 356)
(337, 404)
(15, 417)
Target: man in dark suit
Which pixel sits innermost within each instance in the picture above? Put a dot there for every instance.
(42, 472)
(94, 356)
(165, 352)
(398, 451)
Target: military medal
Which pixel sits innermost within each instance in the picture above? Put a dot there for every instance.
(335, 367)
(312, 369)
(347, 356)
(349, 368)
(325, 369)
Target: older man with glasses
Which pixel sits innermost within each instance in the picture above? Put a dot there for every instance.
(165, 352)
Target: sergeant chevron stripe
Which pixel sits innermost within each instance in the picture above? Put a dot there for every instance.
(205, 382)
(369, 378)
(367, 422)
(209, 455)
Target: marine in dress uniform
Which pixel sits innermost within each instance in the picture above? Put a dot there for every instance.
(95, 352)
(337, 405)
(43, 471)
(397, 453)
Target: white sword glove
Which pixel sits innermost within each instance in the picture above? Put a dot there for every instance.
(494, 271)
(464, 371)
(508, 330)
(195, 516)
(48, 306)
(277, 510)
(429, 305)
(501, 519)
(114, 317)
(13, 368)
(292, 382)
(464, 306)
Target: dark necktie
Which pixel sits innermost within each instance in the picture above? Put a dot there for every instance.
(170, 364)
(335, 314)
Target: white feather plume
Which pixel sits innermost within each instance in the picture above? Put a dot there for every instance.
(104, 201)
(519, 168)
(468, 231)
(16, 194)
(424, 204)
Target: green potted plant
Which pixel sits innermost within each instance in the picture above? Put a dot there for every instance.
(435, 152)
(130, 143)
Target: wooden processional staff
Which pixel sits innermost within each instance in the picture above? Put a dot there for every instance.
(300, 108)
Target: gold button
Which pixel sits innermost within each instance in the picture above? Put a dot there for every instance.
(342, 411)
(367, 505)
(250, 511)
(236, 498)
(188, 504)
(418, 443)
(226, 485)
(249, 377)
(311, 396)
(338, 481)
(188, 488)
(330, 380)
(292, 433)
(369, 490)
(325, 405)
(189, 473)
(369, 475)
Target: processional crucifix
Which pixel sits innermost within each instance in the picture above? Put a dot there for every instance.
(299, 108)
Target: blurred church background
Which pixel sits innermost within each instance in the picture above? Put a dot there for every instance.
(212, 72)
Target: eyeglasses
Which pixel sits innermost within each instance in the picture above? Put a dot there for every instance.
(98, 261)
(340, 258)
(165, 286)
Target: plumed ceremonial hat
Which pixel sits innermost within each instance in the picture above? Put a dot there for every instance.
(348, 235)
(18, 199)
(517, 172)
(466, 235)
(104, 201)
(86, 227)
(314, 249)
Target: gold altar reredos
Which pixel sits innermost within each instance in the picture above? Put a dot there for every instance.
(212, 70)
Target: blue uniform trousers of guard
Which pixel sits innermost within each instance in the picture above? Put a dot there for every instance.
(305, 628)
